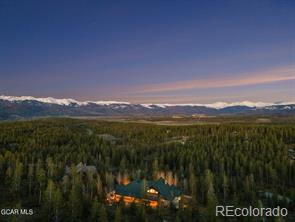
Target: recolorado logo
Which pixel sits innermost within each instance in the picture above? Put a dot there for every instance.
(231, 211)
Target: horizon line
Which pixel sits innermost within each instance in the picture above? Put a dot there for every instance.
(67, 101)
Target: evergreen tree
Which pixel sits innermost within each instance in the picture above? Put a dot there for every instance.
(95, 208)
(103, 217)
(118, 216)
(75, 201)
(57, 202)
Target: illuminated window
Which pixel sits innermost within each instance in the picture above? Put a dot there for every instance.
(153, 204)
(152, 190)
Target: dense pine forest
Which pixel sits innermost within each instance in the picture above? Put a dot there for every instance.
(215, 164)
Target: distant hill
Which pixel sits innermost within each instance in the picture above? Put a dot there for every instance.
(28, 107)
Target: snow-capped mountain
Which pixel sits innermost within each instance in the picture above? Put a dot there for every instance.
(52, 100)
(28, 106)
(221, 105)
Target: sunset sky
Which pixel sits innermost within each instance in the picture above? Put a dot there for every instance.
(149, 51)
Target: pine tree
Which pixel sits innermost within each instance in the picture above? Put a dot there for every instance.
(30, 176)
(57, 201)
(17, 176)
(118, 216)
(211, 199)
(49, 191)
(95, 208)
(141, 214)
(99, 188)
(75, 201)
(225, 187)
(41, 179)
(103, 217)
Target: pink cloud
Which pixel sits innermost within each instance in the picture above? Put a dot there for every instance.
(253, 78)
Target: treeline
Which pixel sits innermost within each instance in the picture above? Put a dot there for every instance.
(226, 164)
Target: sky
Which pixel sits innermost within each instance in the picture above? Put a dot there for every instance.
(149, 51)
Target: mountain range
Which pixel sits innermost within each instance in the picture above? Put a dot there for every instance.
(13, 107)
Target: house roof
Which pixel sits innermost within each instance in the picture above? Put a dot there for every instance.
(82, 168)
(271, 195)
(138, 189)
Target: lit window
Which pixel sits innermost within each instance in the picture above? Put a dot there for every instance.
(152, 190)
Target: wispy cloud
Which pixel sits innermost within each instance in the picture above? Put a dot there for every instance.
(221, 81)
(227, 95)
